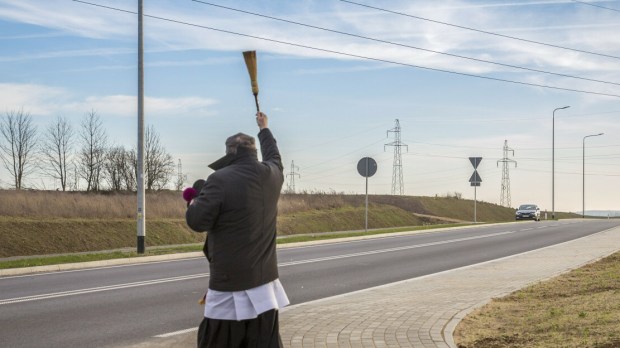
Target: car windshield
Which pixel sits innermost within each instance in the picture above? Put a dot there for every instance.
(527, 207)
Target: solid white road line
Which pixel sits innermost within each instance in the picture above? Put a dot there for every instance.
(99, 289)
(180, 332)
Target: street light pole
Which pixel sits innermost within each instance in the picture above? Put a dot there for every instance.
(553, 162)
(140, 147)
(583, 182)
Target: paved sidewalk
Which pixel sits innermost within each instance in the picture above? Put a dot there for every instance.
(421, 312)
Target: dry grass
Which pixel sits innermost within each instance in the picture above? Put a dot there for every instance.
(160, 204)
(52, 204)
(48, 222)
(578, 309)
(298, 202)
(170, 205)
(349, 218)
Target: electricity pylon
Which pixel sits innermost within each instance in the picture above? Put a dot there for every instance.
(181, 178)
(290, 187)
(505, 197)
(397, 168)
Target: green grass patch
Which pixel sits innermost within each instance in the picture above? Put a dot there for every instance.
(349, 218)
(43, 236)
(98, 256)
(60, 259)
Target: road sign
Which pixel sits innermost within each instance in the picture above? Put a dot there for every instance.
(475, 179)
(367, 167)
(475, 161)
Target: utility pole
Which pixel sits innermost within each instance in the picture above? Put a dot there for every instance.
(397, 168)
(140, 179)
(505, 196)
(290, 187)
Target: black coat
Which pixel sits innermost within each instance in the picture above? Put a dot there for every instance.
(237, 207)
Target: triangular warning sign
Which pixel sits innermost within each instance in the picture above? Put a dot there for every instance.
(475, 161)
(475, 178)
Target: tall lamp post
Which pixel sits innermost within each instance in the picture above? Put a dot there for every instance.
(583, 182)
(553, 162)
(140, 146)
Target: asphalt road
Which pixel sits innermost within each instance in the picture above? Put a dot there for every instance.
(128, 304)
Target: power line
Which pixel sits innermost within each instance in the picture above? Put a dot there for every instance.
(346, 154)
(521, 148)
(360, 56)
(570, 173)
(599, 6)
(482, 31)
(405, 45)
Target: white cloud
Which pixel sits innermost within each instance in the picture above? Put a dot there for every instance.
(34, 99)
(68, 53)
(127, 106)
(44, 101)
(68, 16)
(98, 22)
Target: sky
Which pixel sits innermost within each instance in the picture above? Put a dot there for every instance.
(463, 78)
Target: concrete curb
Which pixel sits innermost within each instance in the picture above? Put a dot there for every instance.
(95, 264)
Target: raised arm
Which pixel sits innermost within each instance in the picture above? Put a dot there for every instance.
(268, 146)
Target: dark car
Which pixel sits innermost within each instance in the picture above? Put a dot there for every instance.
(528, 212)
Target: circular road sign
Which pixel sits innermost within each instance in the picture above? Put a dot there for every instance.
(367, 167)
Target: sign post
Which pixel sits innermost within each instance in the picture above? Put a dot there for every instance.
(475, 180)
(367, 167)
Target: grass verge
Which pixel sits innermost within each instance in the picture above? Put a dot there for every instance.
(95, 256)
(98, 256)
(578, 309)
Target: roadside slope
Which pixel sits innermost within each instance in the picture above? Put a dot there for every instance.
(83, 222)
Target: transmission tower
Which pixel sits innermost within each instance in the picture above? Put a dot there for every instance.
(290, 187)
(179, 171)
(180, 176)
(397, 171)
(505, 197)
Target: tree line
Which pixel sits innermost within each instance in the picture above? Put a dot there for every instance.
(76, 156)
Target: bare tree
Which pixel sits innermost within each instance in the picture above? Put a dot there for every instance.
(18, 145)
(93, 139)
(113, 167)
(131, 170)
(120, 168)
(158, 164)
(56, 150)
